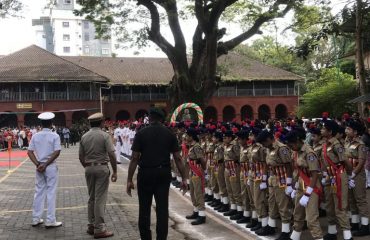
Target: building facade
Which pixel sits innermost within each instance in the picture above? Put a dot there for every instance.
(65, 34)
(34, 80)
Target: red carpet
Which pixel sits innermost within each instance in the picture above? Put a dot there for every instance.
(14, 154)
(13, 163)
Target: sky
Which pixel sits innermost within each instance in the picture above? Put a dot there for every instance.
(17, 33)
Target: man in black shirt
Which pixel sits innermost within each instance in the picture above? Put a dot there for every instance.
(151, 151)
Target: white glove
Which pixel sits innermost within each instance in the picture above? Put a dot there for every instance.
(323, 181)
(288, 190)
(304, 201)
(351, 183)
(206, 176)
(263, 186)
(249, 182)
(293, 194)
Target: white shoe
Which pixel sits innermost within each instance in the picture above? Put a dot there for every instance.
(36, 223)
(53, 225)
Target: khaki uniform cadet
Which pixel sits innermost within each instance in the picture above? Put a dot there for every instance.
(207, 147)
(214, 189)
(335, 181)
(218, 157)
(257, 158)
(197, 166)
(356, 152)
(244, 177)
(232, 174)
(279, 160)
(96, 149)
(43, 150)
(306, 195)
(180, 133)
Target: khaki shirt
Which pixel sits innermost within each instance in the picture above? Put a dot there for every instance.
(232, 152)
(219, 153)
(244, 154)
(210, 147)
(306, 158)
(356, 149)
(335, 151)
(195, 152)
(279, 154)
(95, 145)
(257, 153)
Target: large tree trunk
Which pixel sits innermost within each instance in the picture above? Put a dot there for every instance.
(359, 53)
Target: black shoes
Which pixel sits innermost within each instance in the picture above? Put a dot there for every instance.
(230, 213)
(237, 216)
(225, 208)
(330, 236)
(355, 226)
(257, 227)
(199, 220)
(363, 231)
(195, 215)
(243, 220)
(208, 198)
(284, 236)
(253, 223)
(266, 231)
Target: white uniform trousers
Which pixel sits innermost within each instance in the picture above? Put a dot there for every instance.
(46, 186)
(118, 148)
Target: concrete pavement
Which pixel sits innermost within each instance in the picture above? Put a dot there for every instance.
(16, 197)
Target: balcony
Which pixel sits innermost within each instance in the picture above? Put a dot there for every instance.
(79, 95)
(9, 96)
(32, 96)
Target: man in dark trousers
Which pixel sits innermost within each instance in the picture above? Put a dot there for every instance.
(151, 151)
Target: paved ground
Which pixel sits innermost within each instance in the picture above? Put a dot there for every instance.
(16, 196)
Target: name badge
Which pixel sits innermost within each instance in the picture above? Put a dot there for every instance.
(353, 147)
(329, 149)
(272, 153)
(255, 150)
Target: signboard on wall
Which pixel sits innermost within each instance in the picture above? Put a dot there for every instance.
(160, 105)
(24, 105)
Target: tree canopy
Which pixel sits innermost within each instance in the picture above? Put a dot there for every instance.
(10, 8)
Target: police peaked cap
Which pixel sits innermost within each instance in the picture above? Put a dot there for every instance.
(243, 134)
(355, 125)
(264, 135)
(294, 135)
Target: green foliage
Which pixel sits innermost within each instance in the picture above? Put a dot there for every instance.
(10, 8)
(330, 93)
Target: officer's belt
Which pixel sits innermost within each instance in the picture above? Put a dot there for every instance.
(96, 164)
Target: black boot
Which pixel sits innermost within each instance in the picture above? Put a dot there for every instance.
(243, 220)
(218, 208)
(208, 198)
(355, 226)
(237, 216)
(284, 236)
(329, 236)
(217, 204)
(195, 215)
(213, 203)
(363, 231)
(266, 231)
(322, 213)
(200, 220)
(257, 227)
(253, 223)
(225, 208)
(230, 213)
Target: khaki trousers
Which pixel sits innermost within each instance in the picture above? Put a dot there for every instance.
(213, 180)
(197, 193)
(334, 214)
(233, 186)
(260, 200)
(309, 213)
(357, 196)
(245, 193)
(279, 202)
(97, 179)
(221, 182)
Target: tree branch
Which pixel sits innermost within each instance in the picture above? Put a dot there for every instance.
(199, 14)
(154, 33)
(272, 13)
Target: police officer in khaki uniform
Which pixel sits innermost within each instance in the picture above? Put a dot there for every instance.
(335, 181)
(246, 194)
(96, 150)
(356, 152)
(218, 157)
(197, 165)
(306, 195)
(280, 185)
(257, 158)
(210, 150)
(232, 174)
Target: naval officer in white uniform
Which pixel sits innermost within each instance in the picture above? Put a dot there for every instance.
(43, 150)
